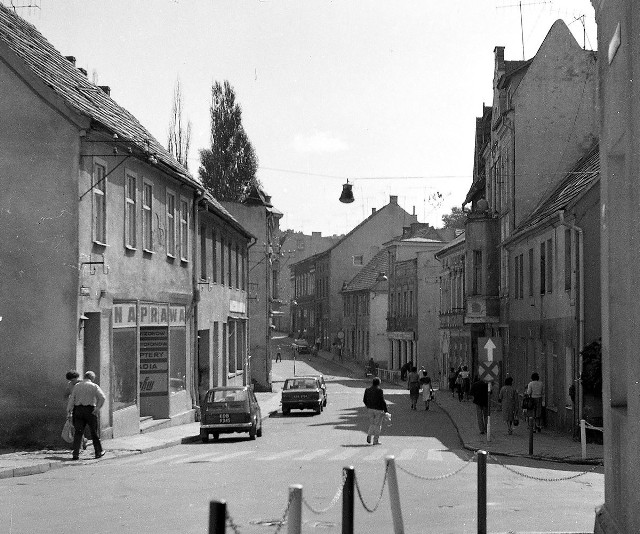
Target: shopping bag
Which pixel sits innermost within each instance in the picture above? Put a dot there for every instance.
(68, 431)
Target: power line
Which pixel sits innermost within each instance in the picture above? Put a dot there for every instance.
(433, 177)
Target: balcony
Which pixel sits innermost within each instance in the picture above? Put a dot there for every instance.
(482, 309)
(401, 324)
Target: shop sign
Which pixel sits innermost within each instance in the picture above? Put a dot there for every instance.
(154, 361)
(125, 316)
(236, 306)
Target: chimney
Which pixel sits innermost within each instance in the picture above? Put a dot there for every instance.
(71, 59)
(393, 199)
(373, 210)
(498, 53)
(83, 71)
(414, 210)
(106, 89)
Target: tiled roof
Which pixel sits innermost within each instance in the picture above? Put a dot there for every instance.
(367, 277)
(586, 171)
(73, 87)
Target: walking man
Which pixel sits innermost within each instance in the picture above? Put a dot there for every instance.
(479, 392)
(377, 408)
(84, 403)
(278, 355)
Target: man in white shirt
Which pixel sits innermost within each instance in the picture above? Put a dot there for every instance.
(84, 404)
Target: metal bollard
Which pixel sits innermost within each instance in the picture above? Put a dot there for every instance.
(482, 492)
(583, 438)
(294, 520)
(394, 496)
(217, 517)
(531, 423)
(347, 500)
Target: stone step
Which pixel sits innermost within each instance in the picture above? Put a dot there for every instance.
(150, 425)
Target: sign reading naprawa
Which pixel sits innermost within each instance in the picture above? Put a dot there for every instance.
(125, 315)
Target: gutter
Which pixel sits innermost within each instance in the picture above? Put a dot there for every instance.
(580, 310)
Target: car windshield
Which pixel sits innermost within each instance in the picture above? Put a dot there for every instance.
(300, 383)
(227, 395)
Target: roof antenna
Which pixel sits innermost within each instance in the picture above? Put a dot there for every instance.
(519, 5)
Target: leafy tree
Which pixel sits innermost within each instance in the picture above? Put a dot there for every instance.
(455, 219)
(179, 132)
(228, 169)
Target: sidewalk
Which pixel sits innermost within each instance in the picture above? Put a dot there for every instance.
(22, 463)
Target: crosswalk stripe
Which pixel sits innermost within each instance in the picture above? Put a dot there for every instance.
(314, 454)
(345, 454)
(377, 455)
(229, 456)
(434, 455)
(279, 455)
(406, 455)
(160, 460)
(136, 458)
(197, 458)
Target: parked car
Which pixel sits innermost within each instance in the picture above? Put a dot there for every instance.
(303, 393)
(228, 409)
(301, 346)
(323, 385)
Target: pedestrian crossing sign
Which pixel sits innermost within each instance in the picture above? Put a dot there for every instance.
(488, 371)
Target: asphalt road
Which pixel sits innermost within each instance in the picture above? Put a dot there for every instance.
(168, 491)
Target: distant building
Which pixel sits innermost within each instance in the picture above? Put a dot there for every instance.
(259, 217)
(317, 314)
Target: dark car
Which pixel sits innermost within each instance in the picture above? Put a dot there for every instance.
(228, 409)
(302, 393)
(323, 385)
(301, 346)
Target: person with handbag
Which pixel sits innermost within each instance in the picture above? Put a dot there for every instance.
(508, 397)
(413, 385)
(535, 391)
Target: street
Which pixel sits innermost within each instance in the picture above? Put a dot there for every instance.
(169, 490)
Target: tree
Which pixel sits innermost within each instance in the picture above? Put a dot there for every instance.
(228, 169)
(455, 219)
(179, 133)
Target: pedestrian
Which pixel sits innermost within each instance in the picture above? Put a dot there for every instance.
(84, 404)
(452, 381)
(459, 384)
(508, 397)
(413, 385)
(427, 389)
(535, 389)
(377, 407)
(404, 370)
(73, 378)
(480, 394)
(466, 381)
(371, 367)
(278, 355)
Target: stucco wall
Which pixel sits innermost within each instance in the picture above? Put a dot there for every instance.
(428, 301)
(38, 267)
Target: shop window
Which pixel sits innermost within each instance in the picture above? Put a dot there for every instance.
(125, 368)
(232, 346)
(178, 358)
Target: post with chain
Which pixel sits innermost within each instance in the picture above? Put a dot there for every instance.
(583, 438)
(394, 496)
(294, 521)
(347, 499)
(217, 517)
(532, 422)
(482, 492)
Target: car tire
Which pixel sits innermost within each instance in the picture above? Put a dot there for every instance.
(318, 409)
(205, 438)
(216, 436)
(252, 431)
(286, 411)
(259, 431)
(325, 402)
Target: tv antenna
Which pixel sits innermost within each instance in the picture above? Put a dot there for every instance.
(584, 30)
(520, 5)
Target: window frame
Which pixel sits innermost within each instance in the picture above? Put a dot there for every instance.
(99, 189)
(170, 210)
(184, 229)
(130, 210)
(147, 216)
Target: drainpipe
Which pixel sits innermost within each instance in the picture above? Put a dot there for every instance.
(247, 367)
(198, 197)
(580, 306)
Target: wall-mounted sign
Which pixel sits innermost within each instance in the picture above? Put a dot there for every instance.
(405, 336)
(154, 361)
(128, 315)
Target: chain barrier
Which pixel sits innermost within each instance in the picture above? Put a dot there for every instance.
(236, 530)
(440, 477)
(231, 524)
(589, 425)
(364, 505)
(333, 502)
(543, 479)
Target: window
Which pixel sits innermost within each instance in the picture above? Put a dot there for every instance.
(184, 230)
(567, 259)
(214, 259)
(203, 252)
(275, 287)
(222, 260)
(147, 217)
(99, 197)
(130, 208)
(171, 224)
(521, 286)
(477, 272)
(358, 260)
(531, 272)
(244, 268)
(516, 269)
(229, 247)
(549, 265)
(543, 268)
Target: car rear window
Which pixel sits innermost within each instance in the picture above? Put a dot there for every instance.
(233, 395)
(300, 383)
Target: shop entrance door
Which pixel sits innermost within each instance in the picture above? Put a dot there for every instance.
(92, 344)
(204, 366)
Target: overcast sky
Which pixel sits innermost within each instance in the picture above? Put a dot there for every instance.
(381, 92)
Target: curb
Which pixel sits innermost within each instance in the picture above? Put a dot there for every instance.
(569, 461)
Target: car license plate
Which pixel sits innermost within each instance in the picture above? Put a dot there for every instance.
(224, 418)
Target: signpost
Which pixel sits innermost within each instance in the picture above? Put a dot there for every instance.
(489, 370)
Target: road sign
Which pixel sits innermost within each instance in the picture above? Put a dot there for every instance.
(488, 371)
(491, 348)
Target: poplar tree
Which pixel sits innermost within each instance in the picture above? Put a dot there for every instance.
(179, 130)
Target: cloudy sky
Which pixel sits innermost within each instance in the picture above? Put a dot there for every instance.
(381, 92)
